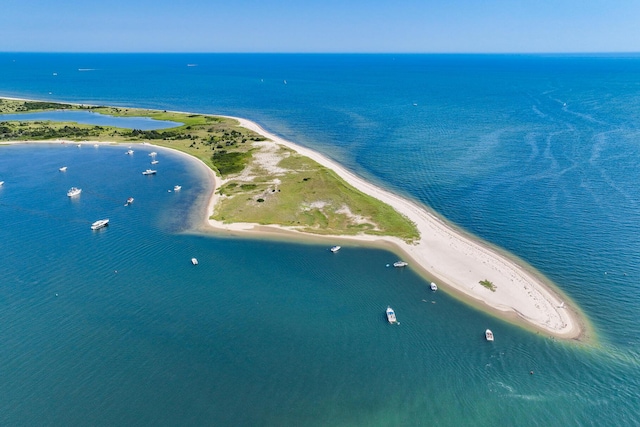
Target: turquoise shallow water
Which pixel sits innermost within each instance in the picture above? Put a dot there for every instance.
(274, 333)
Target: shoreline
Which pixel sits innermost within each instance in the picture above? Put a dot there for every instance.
(452, 258)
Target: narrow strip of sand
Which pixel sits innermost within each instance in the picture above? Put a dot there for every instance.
(453, 259)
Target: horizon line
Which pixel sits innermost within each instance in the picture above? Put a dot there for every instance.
(320, 53)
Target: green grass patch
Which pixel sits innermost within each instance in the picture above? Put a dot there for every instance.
(488, 284)
(230, 162)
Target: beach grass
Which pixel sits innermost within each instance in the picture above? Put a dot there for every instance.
(488, 284)
(309, 197)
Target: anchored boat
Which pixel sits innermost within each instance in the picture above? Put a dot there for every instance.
(74, 191)
(101, 223)
(488, 335)
(391, 315)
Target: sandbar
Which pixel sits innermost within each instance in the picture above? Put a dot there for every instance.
(456, 261)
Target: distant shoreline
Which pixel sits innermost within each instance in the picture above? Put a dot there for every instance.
(456, 261)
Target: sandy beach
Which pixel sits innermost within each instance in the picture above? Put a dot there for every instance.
(453, 260)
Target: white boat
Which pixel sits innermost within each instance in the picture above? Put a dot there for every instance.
(99, 224)
(63, 169)
(129, 152)
(74, 191)
(154, 162)
(433, 286)
(488, 335)
(149, 172)
(194, 261)
(129, 201)
(1, 183)
(177, 188)
(391, 315)
(153, 153)
(335, 249)
(400, 264)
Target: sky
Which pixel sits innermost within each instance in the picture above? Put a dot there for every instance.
(336, 26)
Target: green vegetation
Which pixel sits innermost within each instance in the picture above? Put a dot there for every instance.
(489, 285)
(10, 106)
(264, 183)
(230, 163)
(311, 198)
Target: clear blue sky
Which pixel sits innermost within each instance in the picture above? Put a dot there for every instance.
(320, 26)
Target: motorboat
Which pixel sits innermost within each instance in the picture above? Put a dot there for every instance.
(177, 188)
(149, 172)
(391, 315)
(129, 201)
(400, 264)
(488, 335)
(194, 261)
(74, 191)
(99, 224)
(154, 162)
(63, 169)
(1, 183)
(335, 249)
(152, 154)
(433, 286)
(129, 152)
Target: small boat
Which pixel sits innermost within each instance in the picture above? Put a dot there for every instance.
(391, 315)
(153, 153)
(433, 286)
(488, 335)
(129, 201)
(1, 183)
(79, 145)
(400, 264)
(129, 152)
(154, 162)
(149, 172)
(177, 188)
(335, 249)
(63, 169)
(74, 191)
(194, 261)
(99, 224)
(96, 145)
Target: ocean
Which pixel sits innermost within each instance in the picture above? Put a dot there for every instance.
(536, 154)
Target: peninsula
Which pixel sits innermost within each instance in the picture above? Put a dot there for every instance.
(263, 182)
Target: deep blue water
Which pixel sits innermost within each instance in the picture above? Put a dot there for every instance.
(536, 154)
(91, 118)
